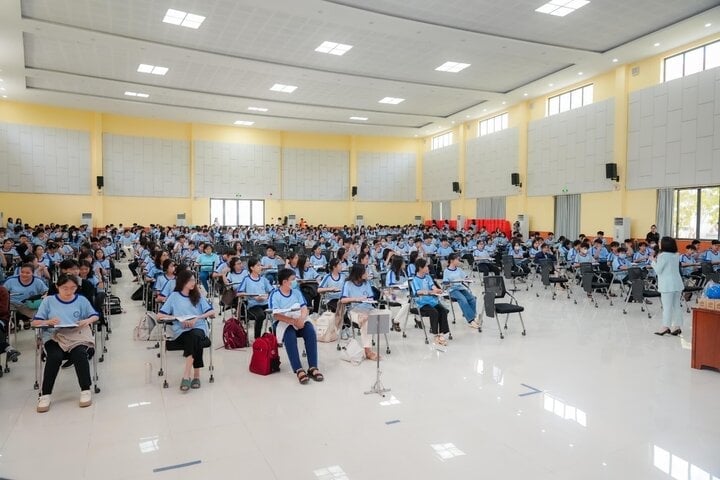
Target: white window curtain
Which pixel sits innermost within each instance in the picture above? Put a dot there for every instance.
(567, 216)
(665, 206)
(490, 207)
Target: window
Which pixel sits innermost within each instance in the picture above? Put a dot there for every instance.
(691, 61)
(697, 213)
(571, 100)
(492, 125)
(442, 140)
(237, 212)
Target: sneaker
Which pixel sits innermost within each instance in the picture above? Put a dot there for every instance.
(43, 403)
(473, 324)
(85, 398)
(12, 354)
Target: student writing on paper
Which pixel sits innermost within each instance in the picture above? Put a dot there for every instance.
(73, 311)
(190, 334)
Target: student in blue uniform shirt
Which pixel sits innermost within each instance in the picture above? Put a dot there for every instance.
(236, 273)
(712, 255)
(190, 330)
(689, 264)
(65, 319)
(620, 264)
(167, 276)
(332, 283)
(291, 325)
(444, 250)
(428, 303)
(357, 294)
(453, 276)
(22, 288)
(257, 288)
(583, 255)
(317, 259)
(271, 263)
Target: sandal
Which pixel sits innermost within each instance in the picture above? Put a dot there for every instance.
(302, 377)
(195, 383)
(185, 385)
(315, 374)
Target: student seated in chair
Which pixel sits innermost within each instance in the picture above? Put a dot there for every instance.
(256, 287)
(428, 302)
(453, 276)
(74, 314)
(25, 292)
(291, 322)
(332, 283)
(190, 332)
(357, 294)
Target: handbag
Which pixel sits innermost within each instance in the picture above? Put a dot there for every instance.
(352, 352)
(326, 328)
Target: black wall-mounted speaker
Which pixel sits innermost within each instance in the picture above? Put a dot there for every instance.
(456, 187)
(611, 171)
(515, 179)
(100, 181)
(354, 190)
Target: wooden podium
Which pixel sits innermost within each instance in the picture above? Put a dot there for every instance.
(705, 339)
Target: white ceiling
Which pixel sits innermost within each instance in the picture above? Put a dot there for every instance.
(85, 53)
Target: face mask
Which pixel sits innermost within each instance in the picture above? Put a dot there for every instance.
(294, 284)
(622, 255)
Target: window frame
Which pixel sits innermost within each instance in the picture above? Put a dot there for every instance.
(238, 209)
(698, 212)
(490, 125)
(566, 101)
(441, 140)
(683, 55)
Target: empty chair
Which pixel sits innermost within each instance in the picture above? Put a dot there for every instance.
(511, 271)
(638, 291)
(494, 290)
(548, 280)
(591, 281)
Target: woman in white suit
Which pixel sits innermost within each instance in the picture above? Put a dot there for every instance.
(670, 286)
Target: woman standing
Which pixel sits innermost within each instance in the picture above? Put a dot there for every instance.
(670, 286)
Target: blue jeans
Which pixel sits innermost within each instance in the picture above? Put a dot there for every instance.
(204, 280)
(290, 343)
(467, 302)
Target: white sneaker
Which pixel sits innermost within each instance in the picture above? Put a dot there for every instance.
(85, 398)
(43, 404)
(474, 324)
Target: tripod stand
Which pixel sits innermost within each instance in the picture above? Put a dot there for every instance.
(378, 323)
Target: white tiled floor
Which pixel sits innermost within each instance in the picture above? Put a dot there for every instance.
(616, 402)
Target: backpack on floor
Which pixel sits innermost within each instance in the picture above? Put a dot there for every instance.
(117, 273)
(148, 329)
(265, 358)
(234, 335)
(325, 327)
(137, 294)
(115, 307)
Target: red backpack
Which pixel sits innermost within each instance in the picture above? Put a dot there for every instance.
(234, 335)
(265, 358)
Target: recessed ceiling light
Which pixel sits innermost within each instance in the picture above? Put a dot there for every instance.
(484, 109)
(279, 87)
(504, 103)
(560, 8)
(614, 60)
(2, 89)
(551, 84)
(4, 96)
(708, 25)
(525, 94)
(467, 116)
(257, 109)
(581, 73)
(145, 68)
(184, 19)
(243, 122)
(452, 67)
(333, 48)
(362, 119)
(656, 44)
(1, 80)
(391, 100)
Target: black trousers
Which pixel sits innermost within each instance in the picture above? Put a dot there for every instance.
(257, 314)
(438, 318)
(133, 267)
(54, 356)
(191, 343)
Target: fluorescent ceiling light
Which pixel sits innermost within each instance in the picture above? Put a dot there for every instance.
(257, 109)
(363, 119)
(333, 48)
(184, 19)
(708, 25)
(244, 123)
(145, 68)
(143, 95)
(279, 87)
(560, 8)
(615, 60)
(452, 67)
(391, 100)
(656, 44)
(135, 94)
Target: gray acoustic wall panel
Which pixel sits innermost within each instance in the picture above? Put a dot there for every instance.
(146, 167)
(674, 133)
(44, 160)
(567, 152)
(229, 169)
(315, 174)
(489, 161)
(440, 169)
(386, 176)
